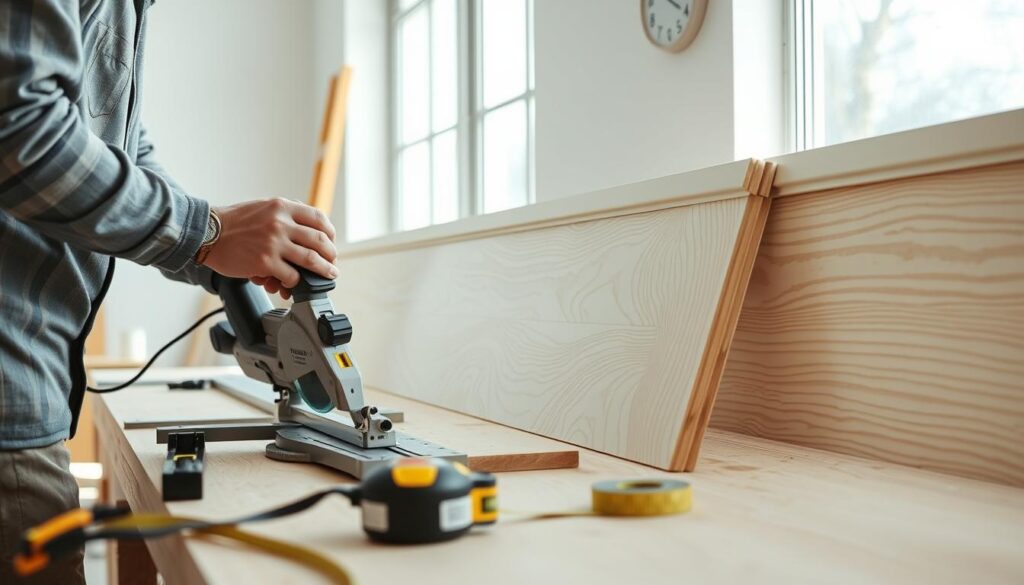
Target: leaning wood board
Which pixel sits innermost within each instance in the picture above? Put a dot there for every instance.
(609, 332)
(887, 320)
(490, 447)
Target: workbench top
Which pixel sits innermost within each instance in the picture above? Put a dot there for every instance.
(762, 510)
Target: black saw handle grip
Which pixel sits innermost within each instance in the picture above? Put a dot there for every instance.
(245, 304)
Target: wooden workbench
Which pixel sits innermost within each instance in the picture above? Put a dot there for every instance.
(762, 510)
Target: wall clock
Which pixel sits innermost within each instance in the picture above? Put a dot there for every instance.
(672, 24)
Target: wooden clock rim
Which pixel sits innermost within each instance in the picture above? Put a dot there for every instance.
(689, 33)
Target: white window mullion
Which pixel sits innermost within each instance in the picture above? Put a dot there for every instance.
(430, 107)
(476, 119)
(465, 140)
(531, 178)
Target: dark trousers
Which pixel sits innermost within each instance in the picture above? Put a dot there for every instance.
(36, 485)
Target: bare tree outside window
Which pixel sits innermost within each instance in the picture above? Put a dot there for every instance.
(883, 66)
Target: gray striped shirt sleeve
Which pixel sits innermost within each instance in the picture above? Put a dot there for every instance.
(58, 177)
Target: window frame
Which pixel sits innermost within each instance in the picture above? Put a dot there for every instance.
(470, 109)
(803, 77)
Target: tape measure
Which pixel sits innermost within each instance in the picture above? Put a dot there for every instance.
(641, 497)
(419, 500)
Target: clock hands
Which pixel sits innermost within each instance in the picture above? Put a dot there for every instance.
(673, 3)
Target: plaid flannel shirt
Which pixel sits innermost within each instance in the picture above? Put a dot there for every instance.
(78, 187)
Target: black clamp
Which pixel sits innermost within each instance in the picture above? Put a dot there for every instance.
(183, 468)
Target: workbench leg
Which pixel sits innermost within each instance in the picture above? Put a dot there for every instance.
(128, 561)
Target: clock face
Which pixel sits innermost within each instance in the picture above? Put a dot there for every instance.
(667, 21)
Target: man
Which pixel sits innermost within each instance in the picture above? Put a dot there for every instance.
(78, 186)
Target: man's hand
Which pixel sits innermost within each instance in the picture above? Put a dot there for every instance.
(259, 240)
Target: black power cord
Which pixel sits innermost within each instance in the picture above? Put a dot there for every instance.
(157, 355)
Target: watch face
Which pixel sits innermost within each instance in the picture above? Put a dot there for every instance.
(211, 231)
(667, 19)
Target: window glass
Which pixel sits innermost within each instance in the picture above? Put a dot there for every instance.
(446, 178)
(504, 50)
(415, 70)
(444, 54)
(505, 172)
(891, 65)
(415, 171)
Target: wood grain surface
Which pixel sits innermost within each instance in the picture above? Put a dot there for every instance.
(887, 321)
(593, 333)
(763, 512)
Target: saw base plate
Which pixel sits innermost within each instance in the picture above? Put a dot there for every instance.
(301, 444)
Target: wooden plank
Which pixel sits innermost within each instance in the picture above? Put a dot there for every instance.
(720, 340)
(792, 514)
(605, 333)
(887, 321)
(332, 137)
(96, 342)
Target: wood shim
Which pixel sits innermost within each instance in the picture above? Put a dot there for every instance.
(610, 333)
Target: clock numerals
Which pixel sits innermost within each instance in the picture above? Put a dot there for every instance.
(671, 24)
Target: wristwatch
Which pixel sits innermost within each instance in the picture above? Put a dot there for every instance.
(210, 238)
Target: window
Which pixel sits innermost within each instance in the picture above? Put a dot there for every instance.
(860, 68)
(462, 108)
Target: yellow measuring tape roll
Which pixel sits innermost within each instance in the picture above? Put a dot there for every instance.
(644, 497)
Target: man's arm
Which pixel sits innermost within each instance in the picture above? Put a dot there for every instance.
(145, 158)
(65, 182)
(56, 175)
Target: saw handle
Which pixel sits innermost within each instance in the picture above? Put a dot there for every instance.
(311, 285)
(245, 304)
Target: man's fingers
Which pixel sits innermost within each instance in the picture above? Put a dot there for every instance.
(311, 260)
(286, 274)
(258, 280)
(315, 239)
(273, 286)
(312, 217)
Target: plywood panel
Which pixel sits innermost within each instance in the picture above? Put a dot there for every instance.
(887, 321)
(595, 332)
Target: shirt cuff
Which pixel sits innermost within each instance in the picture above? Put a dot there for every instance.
(193, 231)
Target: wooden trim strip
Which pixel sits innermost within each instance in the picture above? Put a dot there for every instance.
(727, 316)
(976, 142)
(711, 184)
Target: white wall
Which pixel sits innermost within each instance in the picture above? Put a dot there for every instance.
(229, 100)
(613, 109)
